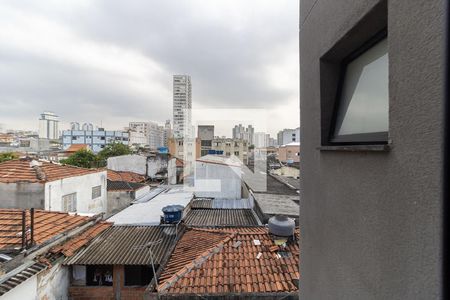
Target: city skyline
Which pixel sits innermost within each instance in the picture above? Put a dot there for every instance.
(101, 70)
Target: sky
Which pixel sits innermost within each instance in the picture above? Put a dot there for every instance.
(110, 62)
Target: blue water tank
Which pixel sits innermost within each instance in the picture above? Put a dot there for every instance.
(173, 213)
(211, 151)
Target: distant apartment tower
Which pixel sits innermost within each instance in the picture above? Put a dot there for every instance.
(206, 135)
(88, 126)
(261, 140)
(182, 105)
(156, 135)
(74, 126)
(48, 126)
(287, 136)
(167, 133)
(139, 133)
(246, 134)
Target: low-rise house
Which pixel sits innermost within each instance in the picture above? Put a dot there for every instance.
(129, 163)
(27, 183)
(175, 169)
(231, 263)
(31, 265)
(124, 188)
(120, 263)
(289, 153)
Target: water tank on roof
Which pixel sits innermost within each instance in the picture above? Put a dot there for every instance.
(173, 213)
(281, 226)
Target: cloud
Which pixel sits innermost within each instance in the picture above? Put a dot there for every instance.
(113, 60)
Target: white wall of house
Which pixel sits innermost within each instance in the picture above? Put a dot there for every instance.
(131, 163)
(25, 290)
(217, 180)
(53, 283)
(141, 192)
(82, 186)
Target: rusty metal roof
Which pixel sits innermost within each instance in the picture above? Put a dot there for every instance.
(221, 217)
(125, 245)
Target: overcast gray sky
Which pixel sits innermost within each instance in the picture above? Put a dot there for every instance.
(112, 61)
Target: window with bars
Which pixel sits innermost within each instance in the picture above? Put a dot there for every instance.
(69, 202)
(96, 191)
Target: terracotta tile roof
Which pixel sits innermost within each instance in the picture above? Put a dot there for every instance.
(211, 261)
(123, 186)
(77, 147)
(21, 170)
(72, 245)
(125, 176)
(47, 225)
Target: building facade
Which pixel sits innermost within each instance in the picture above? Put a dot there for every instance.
(230, 147)
(289, 153)
(261, 140)
(287, 136)
(48, 126)
(96, 139)
(182, 105)
(206, 135)
(372, 196)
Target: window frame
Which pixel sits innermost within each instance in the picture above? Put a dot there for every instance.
(371, 138)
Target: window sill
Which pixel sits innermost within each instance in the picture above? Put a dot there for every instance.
(357, 148)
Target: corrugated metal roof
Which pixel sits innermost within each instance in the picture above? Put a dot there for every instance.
(20, 277)
(274, 204)
(221, 217)
(125, 245)
(221, 203)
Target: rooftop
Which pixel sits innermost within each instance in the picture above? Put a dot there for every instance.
(125, 245)
(77, 147)
(148, 213)
(47, 225)
(232, 161)
(124, 176)
(221, 217)
(275, 204)
(32, 171)
(221, 203)
(212, 261)
(124, 186)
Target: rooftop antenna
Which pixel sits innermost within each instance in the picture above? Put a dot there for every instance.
(149, 246)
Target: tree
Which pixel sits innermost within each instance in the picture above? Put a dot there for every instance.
(8, 156)
(111, 150)
(82, 158)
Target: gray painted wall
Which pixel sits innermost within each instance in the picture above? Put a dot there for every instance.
(371, 221)
(22, 195)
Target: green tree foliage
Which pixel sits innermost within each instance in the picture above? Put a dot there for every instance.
(8, 156)
(82, 158)
(115, 149)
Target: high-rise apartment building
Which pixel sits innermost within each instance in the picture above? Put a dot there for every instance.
(167, 133)
(182, 105)
(247, 134)
(287, 136)
(48, 126)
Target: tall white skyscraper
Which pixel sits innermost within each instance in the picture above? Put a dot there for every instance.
(48, 126)
(182, 105)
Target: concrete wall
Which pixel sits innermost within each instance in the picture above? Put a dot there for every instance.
(53, 283)
(22, 195)
(371, 220)
(132, 163)
(82, 185)
(157, 164)
(26, 290)
(118, 200)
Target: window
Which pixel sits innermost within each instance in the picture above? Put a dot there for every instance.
(206, 143)
(236, 153)
(69, 202)
(138, 275)
(362, 110)
(99, 275)
(96, 191)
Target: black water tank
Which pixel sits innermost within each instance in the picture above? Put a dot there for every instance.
(173, 213)
(281, 225)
